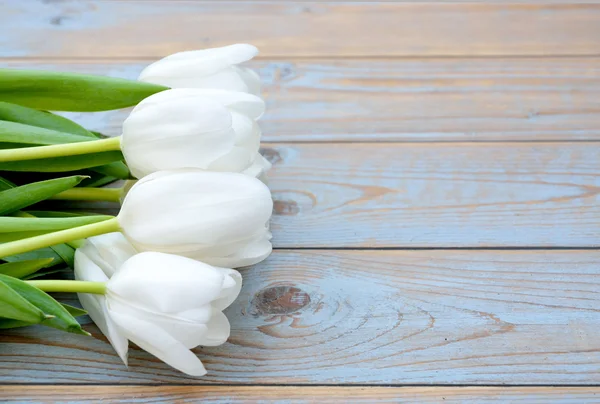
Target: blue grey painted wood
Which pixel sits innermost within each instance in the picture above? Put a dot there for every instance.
(138, 28)
(379, 317)
(436, 195)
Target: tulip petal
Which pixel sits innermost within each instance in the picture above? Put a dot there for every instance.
(225, 206)
(218, 330)
(188, 327)
(108, 251)
(95, 305)
(246, 104)
(184, 132)
(260, 166)
(251, 78)
(226, 79)
(188, 68)
(249, 252)
(247, 143)
(171, 283)
(232, 285)
(159, 343)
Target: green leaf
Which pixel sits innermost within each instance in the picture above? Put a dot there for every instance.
(58, 253)
(42, 119)
(74, 311)
(9, 145)
(29, 116)
(99, 135)
(50, 213)
(26, 177)
(96, 181)
(61, 91)
(12, 132)
(49, 271)
(22, 269)
(23, 178)
(118, 169)
(19, 224)
(66, 252)
(17, 198)
(62, 164)
(62, 319)
(34, 255)
(5, 184)
(14, 306)
(6, 323)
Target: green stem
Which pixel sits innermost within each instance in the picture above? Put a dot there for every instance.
(90, 194)
(60, 150)
(57, 237)
(98, 288)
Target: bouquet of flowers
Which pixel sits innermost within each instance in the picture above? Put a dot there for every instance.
(194, 203)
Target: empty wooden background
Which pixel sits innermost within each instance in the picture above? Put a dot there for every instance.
(436, 182)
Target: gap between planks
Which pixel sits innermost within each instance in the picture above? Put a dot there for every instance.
(330, 394)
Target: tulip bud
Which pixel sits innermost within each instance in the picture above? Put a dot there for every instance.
(217, 218)
(166, 304)
(212, 130)
(209, 68)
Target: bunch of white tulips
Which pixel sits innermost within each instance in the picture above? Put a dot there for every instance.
(159, 273)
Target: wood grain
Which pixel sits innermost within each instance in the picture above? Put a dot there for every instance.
(378, 317)
(425, 100)
(155, 28)
(435, 195)
(254, 394)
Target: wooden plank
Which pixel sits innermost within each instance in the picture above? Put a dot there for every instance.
(436, 195)
(137, 28)
(432, 195)
(378, 317)
(402, 100)
(253, 394)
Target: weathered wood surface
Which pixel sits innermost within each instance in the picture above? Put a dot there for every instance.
(398, 100)
(140, 28)
(253, 394)
(378, 317)
(436, 195)
(519, 80)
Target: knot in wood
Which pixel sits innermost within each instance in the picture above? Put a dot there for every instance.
(285, 208)
(279, 300)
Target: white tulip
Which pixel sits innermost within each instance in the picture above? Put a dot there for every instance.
(165, 304)
(259, 168)
(217, 218)
(213, 130)
(208, 68)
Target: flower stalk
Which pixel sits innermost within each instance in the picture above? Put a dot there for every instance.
(97, 288)
(58, 237)
(60, 150)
